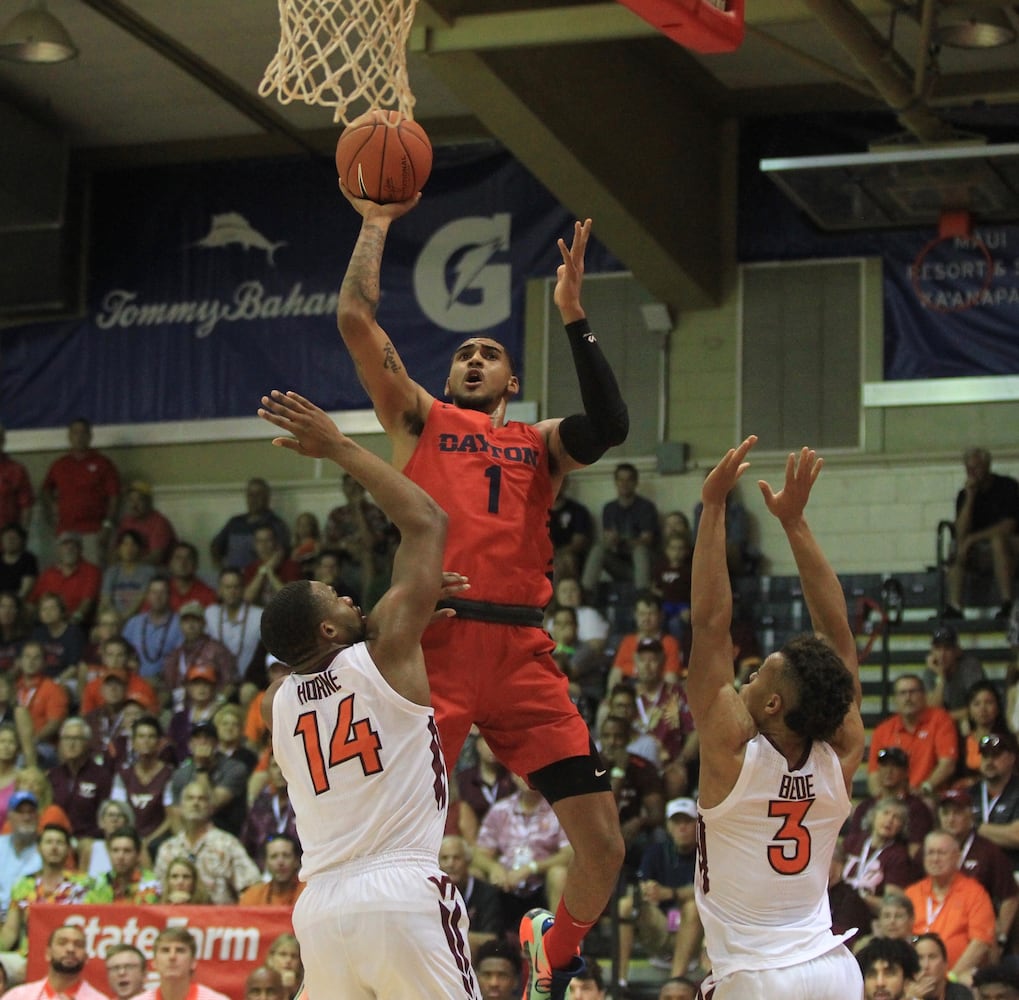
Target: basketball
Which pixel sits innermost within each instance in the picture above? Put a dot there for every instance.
(384, 157)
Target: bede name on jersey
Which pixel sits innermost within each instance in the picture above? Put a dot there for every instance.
(796, 786)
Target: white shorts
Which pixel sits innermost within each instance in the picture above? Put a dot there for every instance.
(389, 927)
(834, 975)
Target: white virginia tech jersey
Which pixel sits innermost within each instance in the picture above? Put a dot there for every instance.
(763, 860)
(363, 765)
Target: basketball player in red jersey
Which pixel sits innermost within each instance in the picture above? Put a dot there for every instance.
(491, 665)
(777, 764)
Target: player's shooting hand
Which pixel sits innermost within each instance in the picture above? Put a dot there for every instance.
(373, 210)
(800, 475)
(314, 433)
(723, 477)
(570, 273)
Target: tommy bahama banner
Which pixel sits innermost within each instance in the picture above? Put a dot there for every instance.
(210, 284)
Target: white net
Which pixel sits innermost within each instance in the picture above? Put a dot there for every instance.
(334, 52)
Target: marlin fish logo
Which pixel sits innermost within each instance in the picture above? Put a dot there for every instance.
(231, 228)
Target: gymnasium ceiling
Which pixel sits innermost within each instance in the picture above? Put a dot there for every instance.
(619, 121)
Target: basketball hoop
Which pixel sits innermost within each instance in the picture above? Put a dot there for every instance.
(706, 26)
(938, 262)
(334, 52)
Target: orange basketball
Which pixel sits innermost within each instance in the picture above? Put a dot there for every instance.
(384, 157)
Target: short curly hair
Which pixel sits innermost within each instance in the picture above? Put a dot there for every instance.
(290, 622)
(824, 689)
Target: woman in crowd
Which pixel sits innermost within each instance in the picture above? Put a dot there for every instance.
(877, 859)
(985, 714)
(182, 884)
(284, 956)
(113, 815)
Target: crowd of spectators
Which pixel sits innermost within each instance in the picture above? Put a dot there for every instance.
(134, 765)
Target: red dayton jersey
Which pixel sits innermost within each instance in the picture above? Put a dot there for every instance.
(494, 484)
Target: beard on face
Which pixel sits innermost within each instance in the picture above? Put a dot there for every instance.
(69, 966)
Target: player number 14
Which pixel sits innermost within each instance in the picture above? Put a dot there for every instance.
(350, 740)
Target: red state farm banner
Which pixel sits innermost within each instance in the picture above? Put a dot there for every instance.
(232, 940)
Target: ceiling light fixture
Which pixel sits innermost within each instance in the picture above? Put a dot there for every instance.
(973, 26)
(36, 36)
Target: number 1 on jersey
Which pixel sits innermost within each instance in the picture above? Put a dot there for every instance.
(349, 740)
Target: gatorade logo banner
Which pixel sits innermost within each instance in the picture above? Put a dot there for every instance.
(211, 284)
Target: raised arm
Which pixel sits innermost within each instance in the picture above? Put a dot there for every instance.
(821, 588)
(582, 438)
(722, 721)
(395, 625)
(399, 401)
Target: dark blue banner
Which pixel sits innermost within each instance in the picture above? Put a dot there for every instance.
(211, 284)
(951, 306)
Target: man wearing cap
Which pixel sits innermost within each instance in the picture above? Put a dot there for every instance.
(996, 795)
(665, 905)
(981, 859)
(227, 778)
(19, 849)
(65, 960)
(950, 673)
(118, 656)
(647, 613)
(106, 721)
(664, 713)
(84, 487)
(198, 647)
(76, 582)
(139, 515)
(928, 735)
(185, 584)
(893, 782)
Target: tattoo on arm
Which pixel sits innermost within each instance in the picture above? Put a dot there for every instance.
(362, 276)
(390, 359)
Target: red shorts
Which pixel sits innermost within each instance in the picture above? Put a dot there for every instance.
(502, 678)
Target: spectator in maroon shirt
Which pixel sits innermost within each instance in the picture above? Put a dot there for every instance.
(80, 780)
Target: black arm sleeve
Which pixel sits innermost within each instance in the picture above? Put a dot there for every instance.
(605, 421)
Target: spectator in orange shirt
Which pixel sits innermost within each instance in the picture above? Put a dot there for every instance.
(928, 735)
(648, 615)
(118, 655)
(47, 701)
(952, 905)
(282, 863)
(255, 732)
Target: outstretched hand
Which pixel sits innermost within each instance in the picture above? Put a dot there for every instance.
(372, 209)
(314, 433)
(800, 475)
(570, 273)
(723, 477)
